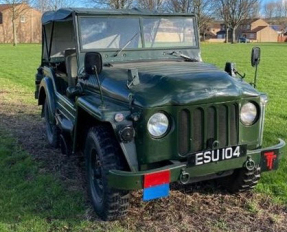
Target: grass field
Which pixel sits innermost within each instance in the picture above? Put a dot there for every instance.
(34, 199)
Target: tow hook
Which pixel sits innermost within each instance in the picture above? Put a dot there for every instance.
(184, 177)
(250, 164)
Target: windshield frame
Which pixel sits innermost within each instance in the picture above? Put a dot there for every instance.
(140, 18)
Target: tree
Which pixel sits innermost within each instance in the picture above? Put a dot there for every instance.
(114, 4)
(203, 9)
(269, 9)
(17, 9)
(233, 12)
(285, 9)
(151, 4)
(48, 5)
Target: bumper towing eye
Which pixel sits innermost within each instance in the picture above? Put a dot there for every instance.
(184, 177)
(250, 164)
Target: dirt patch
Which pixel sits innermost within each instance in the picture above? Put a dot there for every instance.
(192, 208)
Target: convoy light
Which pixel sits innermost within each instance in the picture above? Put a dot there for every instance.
(119, 117)
(248, 114)
(158, 125)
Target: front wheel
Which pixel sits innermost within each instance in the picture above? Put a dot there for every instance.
(242, 180)
(102, 154)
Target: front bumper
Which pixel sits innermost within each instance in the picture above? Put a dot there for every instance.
(179, 170)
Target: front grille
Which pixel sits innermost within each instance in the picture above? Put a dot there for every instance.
(200, 127)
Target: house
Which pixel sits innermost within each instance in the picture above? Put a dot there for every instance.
(209, 31)
(222, 32)
(256, 30)
(213, 29)
(27, 23)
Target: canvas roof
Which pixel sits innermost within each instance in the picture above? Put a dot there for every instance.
(66, 13)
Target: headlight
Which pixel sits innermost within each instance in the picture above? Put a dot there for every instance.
(158, 125)
(248, 114)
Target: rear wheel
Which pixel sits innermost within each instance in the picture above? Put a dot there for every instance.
(241, 180)
(52, 130)
(102, 154)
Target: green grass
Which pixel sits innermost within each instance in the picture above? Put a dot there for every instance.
(32, 201)
(272, 79)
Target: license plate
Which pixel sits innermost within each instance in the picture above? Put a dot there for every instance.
(217, 155)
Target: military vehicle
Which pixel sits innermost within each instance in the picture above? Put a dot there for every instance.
(129, 90)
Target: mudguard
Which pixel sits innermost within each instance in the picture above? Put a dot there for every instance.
(47, 91)
(91, 106)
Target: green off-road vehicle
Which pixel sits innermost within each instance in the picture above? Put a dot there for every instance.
(128, 88)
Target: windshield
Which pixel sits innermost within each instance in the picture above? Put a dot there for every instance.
(168, 32)
(118, 33)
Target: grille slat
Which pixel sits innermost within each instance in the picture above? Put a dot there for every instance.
(234, 125)
(197, 129)
(184, 132)
(222, 126)
(201, 126)
(211, 123)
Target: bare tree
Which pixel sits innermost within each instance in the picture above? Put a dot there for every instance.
(151, 4)
(18, 8)
(114, 4)
(285, 9)
(203, 9)
(48, 5)
(224, 14)
(181, 6)
(269, 9)
(279, 9)
(276, 9)
(276, 12)
(233, 12)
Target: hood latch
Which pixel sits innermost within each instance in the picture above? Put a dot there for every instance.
(133, 78)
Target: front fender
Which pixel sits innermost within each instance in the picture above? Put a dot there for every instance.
(47, 91)
(91, 112)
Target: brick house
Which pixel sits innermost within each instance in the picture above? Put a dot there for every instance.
(257, 30)
(212, 30)
(27, 23)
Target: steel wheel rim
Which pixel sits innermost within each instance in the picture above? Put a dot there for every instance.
(95, 176)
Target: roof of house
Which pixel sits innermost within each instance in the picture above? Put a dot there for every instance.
(4, 7)
(221, 33)
(8, 6)
(255, 30)
(249, 21)
(277, 27)
(216, 24)
(258, 29)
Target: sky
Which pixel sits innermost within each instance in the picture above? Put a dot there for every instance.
(82, 3)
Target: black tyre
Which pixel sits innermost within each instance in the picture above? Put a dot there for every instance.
(52, 130)
(241, 180)
(102, 154)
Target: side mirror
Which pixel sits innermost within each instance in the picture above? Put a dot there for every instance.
(255, 56)
(92, 60)
(230, 69)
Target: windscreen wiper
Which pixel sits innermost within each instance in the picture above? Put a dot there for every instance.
(127, 44)
(185, 57)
